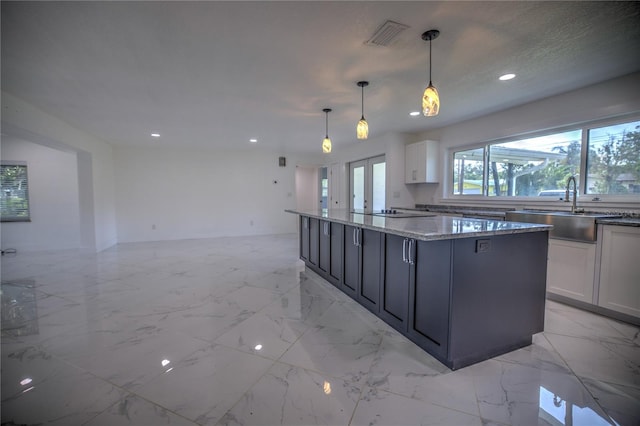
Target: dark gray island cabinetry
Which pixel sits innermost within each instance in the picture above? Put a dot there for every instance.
(462, 289)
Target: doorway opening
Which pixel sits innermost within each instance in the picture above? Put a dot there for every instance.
(368, 184)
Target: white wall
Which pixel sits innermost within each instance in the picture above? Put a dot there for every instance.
(201, 194)
(53, 197)
(97, 221)
(306, 181)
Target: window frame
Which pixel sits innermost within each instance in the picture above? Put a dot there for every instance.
(583, 196)
(26, 218)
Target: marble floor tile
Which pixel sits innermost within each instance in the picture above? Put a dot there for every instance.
(511, 393)
(343, 353)
(298, 306)
(276, 281)
(36, 388)
(264, 335)
(127, 360)
(206, 321)
(540, 355)
(135, 411)
(165, 333)
(204, 386)
(621, 403)
(402, 367)
(599, 360)
(570, 321)
(377, 407)
(289, 395)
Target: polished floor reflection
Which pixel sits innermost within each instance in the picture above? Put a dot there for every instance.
(235, 331)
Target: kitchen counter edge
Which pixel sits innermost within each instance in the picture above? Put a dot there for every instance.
(431, 228)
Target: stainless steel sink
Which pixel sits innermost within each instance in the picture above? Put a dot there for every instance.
(566, 225)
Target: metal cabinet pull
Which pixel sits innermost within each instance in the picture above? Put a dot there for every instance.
(409, 257)
(404, 250)
(354, 237)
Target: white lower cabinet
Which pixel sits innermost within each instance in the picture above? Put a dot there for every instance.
(620, 269)
(571, 269)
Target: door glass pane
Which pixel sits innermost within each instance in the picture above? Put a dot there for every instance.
(358, 188)
(324, 188)
(379, 179)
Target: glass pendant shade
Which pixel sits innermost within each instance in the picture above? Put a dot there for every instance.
(430, 101)
(362, 131)
(430, 97)
(326, 142)
(326, 145)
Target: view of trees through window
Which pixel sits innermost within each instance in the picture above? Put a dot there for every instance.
(613, 162)
(541, 166)
(14, 200)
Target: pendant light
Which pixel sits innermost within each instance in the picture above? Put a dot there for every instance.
(326, 143)
(430, 98)
(362, 130)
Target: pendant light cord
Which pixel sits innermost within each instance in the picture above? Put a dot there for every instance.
(362, 87)
(326, 126)
(430, 39)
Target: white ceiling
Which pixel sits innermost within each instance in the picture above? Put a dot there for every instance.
(214, 74)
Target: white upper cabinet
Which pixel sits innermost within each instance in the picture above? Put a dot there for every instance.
(421, 162)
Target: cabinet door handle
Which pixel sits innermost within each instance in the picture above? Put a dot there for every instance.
(355, 243)
(409, 256)
(358, 238)
(404, 250)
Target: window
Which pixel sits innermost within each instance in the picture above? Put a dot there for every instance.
(540, 166)
(14, 200)
(468, 171)
(613, 161)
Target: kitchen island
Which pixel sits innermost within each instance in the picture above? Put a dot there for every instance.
(464, 290)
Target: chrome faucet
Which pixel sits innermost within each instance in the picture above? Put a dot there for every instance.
(574, 207)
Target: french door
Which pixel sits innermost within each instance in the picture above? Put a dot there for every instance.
(367, 184)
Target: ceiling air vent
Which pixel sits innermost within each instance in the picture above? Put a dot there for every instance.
(385, 35)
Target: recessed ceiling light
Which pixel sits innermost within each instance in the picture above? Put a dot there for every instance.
(253, 140)
(414, 113)
(506, 77)
(155, 135)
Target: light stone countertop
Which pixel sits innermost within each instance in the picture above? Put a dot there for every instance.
(425, 228)
(620, 221)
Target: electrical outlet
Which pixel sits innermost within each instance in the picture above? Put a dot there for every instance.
(483, 246)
